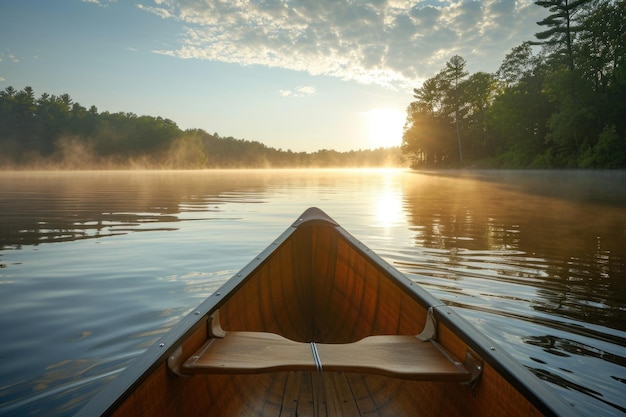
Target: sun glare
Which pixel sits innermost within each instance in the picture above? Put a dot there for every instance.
(385, 127)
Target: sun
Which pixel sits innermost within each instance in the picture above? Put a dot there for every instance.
(384, 127)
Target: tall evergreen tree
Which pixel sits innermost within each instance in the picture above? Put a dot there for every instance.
(561, 27)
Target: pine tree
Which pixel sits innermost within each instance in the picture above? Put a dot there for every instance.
(561, 26)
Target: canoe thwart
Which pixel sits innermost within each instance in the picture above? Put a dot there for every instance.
(398, 356)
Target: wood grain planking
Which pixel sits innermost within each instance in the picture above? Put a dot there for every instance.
(298, 397)
(300, 298)
(362, 395)
(376, 395)
(340, 401)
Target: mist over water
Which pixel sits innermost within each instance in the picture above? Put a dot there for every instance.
(96, 266)
(194, 150)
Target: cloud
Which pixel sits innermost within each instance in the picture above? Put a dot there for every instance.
(13, 58)
(301, 91)
(103, 3)
(159, 11)
(387, 42)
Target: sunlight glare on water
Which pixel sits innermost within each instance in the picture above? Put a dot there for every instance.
(388, 204)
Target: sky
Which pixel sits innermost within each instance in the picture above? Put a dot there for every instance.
(303, 75)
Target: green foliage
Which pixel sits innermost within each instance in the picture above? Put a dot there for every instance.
(56, 132)
(574, 120)
(539, 111)
(427, 138)
(609, 152)
(519, 64)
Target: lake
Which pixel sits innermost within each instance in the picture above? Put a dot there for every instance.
(96, 266)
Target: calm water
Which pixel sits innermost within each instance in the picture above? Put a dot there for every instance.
(95, 267)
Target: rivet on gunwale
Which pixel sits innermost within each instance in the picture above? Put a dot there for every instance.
(161, 344)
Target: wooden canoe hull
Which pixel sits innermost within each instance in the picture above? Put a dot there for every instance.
(317, 283)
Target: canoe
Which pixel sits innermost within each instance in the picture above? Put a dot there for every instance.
(319, 325)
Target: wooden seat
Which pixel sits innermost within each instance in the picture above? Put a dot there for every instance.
(257, 352)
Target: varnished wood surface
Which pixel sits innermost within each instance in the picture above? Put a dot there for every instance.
(250, 352)
(394, 356)
(318, 286)
(391, 355)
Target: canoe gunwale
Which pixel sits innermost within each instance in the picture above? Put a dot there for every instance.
(536, 391)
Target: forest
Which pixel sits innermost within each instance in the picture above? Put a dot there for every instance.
(556, 102)
(54, 132)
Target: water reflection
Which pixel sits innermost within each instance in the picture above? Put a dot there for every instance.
(540, 272)
(63, 206)
(388, 204)
(582, 389)
(572, 252)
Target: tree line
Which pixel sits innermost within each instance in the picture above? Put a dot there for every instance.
(56, 132)
(557, 102)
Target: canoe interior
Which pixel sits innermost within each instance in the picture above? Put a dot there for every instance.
(317, 288)
(316, 283)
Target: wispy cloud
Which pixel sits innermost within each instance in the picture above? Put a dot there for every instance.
(159, 11)
(388, 42)
(301, 91)
(103, 3)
